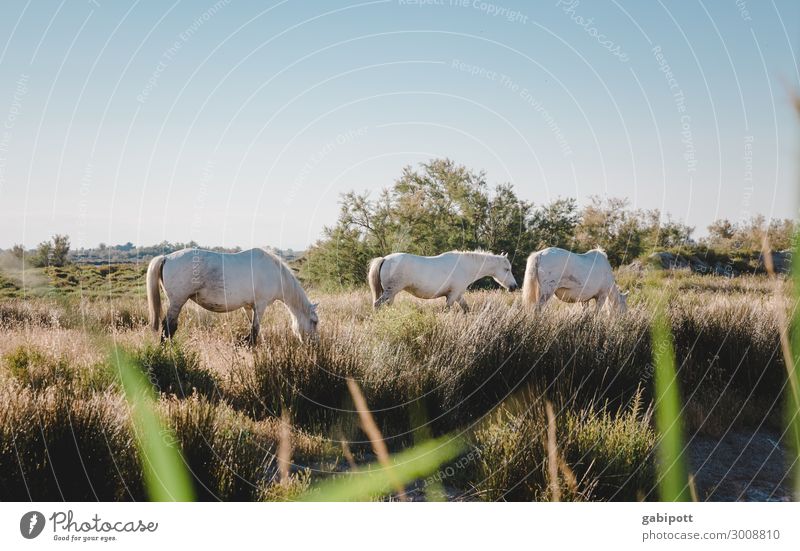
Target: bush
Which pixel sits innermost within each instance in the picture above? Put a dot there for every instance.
(306, 380)
(54, 446)
(605, 455)
(174, 370)
(232, 457)
(34, 369)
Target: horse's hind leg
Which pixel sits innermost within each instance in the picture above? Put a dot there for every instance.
(170, 324)
(386, 298)
(546, 292)
(463, 303)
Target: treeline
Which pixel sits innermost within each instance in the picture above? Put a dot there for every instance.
(441, 206)
(129, 252)
(57, 252)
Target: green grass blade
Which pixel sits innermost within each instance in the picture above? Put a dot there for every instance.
(373, 480)
(672, 472)
(165, 475)
(792, 400)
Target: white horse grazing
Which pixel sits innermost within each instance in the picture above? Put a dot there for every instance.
(223, 282)
(447, 275)
(572, 278)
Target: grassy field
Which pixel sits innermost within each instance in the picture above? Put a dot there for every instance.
(66, 431)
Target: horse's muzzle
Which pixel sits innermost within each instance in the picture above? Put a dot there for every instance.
(512, 288)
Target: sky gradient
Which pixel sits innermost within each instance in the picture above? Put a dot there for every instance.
(237, 122)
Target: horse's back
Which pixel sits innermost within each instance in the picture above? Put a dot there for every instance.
(422, 276)
(213, 278)
(556, 256)
(587, 271)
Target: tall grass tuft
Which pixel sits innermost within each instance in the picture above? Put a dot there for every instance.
(231, 457)
(57, 446)
(172, 369)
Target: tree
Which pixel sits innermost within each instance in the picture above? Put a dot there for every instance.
(781, 234)
(610, 225)
(60, 250)
(504, 227)
(18, 252)
(664, 232)
(42, 255)
(51, 253)
(437, 207)
(746, 236)
(554, 225)
(721, 232)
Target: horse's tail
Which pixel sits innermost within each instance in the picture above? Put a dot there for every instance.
(153, 296)
(374, 278)
(530, 284)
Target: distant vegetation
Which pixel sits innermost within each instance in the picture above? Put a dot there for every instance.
(131, 253)
(52, 269)
(57, 252)
(442, 206)
(48, 253)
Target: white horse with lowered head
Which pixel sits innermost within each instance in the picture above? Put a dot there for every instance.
(447, 275)
(572, 278)
(223, 282)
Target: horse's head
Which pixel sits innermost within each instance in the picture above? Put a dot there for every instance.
(502, 273)
(304, 325)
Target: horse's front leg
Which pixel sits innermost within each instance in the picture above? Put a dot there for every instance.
(255, 328)
(599, 302)
(252, 338)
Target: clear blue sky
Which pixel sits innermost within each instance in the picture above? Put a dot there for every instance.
(241, 122)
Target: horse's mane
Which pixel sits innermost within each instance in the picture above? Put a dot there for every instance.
(276, 258)
(294, 290)
(476, 252)
(600, 250)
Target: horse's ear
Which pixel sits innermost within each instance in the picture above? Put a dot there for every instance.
(314, 306)
(504, 254)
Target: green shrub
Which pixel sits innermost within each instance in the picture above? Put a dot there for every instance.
(291, 490)
(609, 455)
(33, 368)
(174, 370)
(232, 457)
